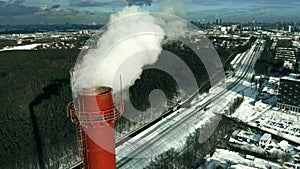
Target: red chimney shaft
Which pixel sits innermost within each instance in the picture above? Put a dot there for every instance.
(96, 113)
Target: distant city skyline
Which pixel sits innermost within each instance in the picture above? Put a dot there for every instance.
(98, 11)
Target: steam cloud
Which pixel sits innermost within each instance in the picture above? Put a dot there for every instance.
(124, 38)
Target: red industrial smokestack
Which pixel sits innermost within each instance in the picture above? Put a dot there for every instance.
(96, 113)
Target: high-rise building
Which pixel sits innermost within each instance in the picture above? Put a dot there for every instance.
(289, 93)
(217, 21)
(290, 28)
(234, 27)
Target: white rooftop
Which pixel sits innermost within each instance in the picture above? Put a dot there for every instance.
(265, 137)
(292, 76)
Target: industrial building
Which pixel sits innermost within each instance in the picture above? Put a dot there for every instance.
(246, 136)
(288, 55)
(265, 140)
(251, 138)
(289, 93)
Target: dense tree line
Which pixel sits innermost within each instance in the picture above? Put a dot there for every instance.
(152, 79)
(24, 74)
(155, 79)
(285, 43)
(6, 42)
(190, 58)
(56, 131)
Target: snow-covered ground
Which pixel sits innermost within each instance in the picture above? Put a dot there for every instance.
(167, 134)
(225, 156)
(262, 115)
(251, 111)
(24, 47)
(250, 141)
(277, 122)
(247, 110)
(172, 131)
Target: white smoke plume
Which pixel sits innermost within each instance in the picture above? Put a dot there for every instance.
(127, 35)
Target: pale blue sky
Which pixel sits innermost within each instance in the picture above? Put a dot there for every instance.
(87, 11)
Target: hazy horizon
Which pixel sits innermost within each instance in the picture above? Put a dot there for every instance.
(87, 11)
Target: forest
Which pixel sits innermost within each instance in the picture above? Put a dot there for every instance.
(5, 42)
(156, 79)
(35, 89)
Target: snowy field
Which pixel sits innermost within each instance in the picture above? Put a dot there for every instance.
(23, 47)
(224, 156)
